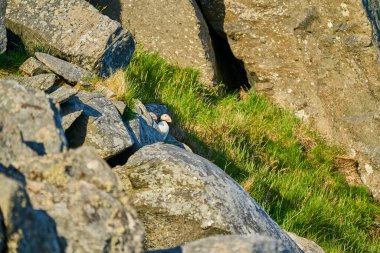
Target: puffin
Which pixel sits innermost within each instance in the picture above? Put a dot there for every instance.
(163, 125)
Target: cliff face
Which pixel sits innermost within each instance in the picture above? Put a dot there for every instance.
(315, 57)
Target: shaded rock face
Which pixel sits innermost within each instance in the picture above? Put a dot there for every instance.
(181, 197)
(72, 30)
(175, 28)
(99, 125)
(34, 118)
(81, 193)
(314, 57)
(230, 244)
(3, 32)
(25, 229)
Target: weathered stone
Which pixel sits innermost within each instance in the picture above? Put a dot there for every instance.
(34, 115)
(12, 145)
(317, 51)
(120, 106)
(25, 229)
(175, 28)
(66, 70)
(62, 93)
(100, 125)
(105, 91)
(306, 245)
(81, 193)
(230, 244)
(72, 30)
(32, 67)
(41, 82)
(70, 112)
(3, 32)
(182, 197)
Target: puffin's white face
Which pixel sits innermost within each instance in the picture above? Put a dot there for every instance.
(165, 117)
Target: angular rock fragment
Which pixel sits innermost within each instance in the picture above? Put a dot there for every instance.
(66, 70)
(34, 115)
(3, 32)
(72, 30)
(62, 93)
(81, 193)
(100, 126)
(25, 229)
(70, 112)
(182, 197)
(32, 67)
(120, 106)
(230, 244)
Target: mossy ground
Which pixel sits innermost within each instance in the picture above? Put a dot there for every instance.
(284, 165)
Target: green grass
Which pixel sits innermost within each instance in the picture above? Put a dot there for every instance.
(285, 167)
(11, 61)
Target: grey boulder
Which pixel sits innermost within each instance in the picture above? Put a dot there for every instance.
(73, 30)
(66, 70)
(70, 112)
(81, 193)
(100, 126)
(230, 244)
(25, 229)
(32, 67)
(34, 115)
(182, 197)
(3, 32)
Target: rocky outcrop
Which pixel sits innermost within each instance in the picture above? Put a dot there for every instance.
(314, 57)
(81, 193)
(72, 30)
(175, 29)
(3, 32)
(181, 197)
(230, 244)
(34, 118)
(99, 125)
(25, 229)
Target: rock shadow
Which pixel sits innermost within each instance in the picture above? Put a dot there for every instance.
(230, 69)
(110, 8)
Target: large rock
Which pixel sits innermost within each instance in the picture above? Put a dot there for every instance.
(314, 57)
(81, 193)
(175, 28)
(182, 197)
(99, 125)
(25, 229)
(3, 32)
(306, 245)
(35, 116)
(72, 30)
(230, 244)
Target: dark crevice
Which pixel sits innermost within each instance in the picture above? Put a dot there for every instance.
(231, 70)
(372, 8)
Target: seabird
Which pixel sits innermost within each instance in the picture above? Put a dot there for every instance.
(163, 125)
